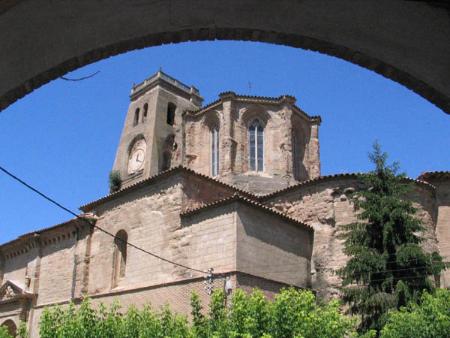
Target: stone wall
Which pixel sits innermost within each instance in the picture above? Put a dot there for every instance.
(198, 191)
(56, 277)
(150, 217)
(273, 248)
(210, 239)
(164, 144)
(325, 205)
(284, 162)
(442, 184)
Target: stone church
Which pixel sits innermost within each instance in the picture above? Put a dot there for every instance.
(233, 185)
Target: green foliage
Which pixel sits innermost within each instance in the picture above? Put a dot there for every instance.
(293, 313)
(87, 322)
(115, 181)
(21, 332)
(4, 332)
(429, 319)
(387, 266)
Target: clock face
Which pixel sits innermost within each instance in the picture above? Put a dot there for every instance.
(137, 157)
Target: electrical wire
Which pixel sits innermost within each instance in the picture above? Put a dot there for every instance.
(80, 78)
(59, 205)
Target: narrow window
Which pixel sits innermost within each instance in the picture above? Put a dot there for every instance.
(120, 256)
(171, 113)
(144, 114)
(136, 117)
(215, 152)
(256, 146)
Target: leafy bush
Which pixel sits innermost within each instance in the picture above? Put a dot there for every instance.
(22, 331)
(4, 332)
(115, 181)
(293, 313)
(429, 319)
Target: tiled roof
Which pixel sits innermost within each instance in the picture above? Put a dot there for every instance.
(433, 175)
(329, 178)
(238, 198)
(144, 182)
(254, 98)
(40, 231)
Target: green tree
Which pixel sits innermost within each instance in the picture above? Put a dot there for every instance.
(293, 313)
(429, 319)
(387, 266)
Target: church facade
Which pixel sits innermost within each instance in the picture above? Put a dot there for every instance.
(233, 186)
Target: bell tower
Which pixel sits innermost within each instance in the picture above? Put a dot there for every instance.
(152, 136)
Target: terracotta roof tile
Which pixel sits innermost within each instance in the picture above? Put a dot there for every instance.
(254, 98)
(40, 231)
(328, 178)
(433, 175)
(238, 198)
(144, 182)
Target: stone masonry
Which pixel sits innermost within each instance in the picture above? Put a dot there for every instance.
(234, 185)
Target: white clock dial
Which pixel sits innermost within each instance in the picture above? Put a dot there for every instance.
(137, 157)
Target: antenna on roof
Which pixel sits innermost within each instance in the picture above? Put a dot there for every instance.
(249, 87)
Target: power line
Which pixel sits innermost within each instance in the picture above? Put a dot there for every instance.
(80, 78)
(59, 205)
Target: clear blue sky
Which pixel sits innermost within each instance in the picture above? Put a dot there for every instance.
(62, 137)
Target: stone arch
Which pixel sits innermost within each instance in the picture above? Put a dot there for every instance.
(345, 29)
(247, 116)
(210, 122)
(133, 142)
(10, 326)
(170, 114)
(254, 112)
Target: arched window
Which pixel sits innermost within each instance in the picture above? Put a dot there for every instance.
(120, 256)
(136, 117)
(171, 113)
(144, 114)
(215, 151)
(10, 327)
(256, 146)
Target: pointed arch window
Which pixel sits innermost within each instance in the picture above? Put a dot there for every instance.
(120, 256)
(171, 108)
(136, 117)
(215, 151)
(144, 114)
(256, 146)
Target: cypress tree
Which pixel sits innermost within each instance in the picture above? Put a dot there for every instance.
(387, 267)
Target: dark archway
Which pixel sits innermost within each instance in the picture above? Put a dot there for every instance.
(11, 327)
(406, 41)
